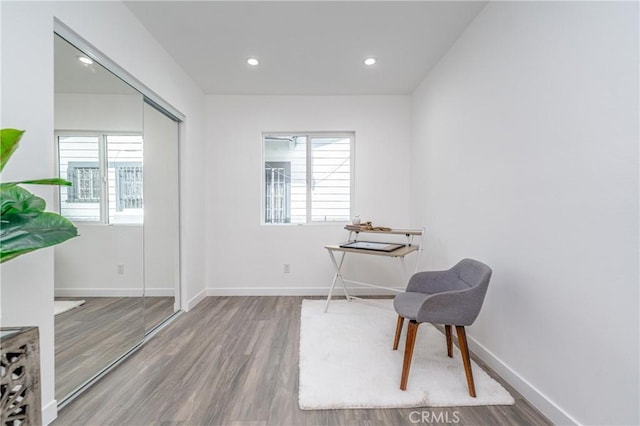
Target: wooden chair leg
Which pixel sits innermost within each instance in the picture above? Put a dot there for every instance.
(447, 329)
(464, 350)
(396, 339)
(412, 331)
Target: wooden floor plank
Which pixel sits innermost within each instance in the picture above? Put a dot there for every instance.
(234, 361)
(93, 335)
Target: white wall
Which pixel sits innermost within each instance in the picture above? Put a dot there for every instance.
(27, 102)
(98, 112)
(525, 156)
(161, 203)
(88, 265)
(244, 257)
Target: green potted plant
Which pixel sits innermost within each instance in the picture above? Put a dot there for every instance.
(24, 225)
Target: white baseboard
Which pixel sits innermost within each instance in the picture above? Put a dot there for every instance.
(49, 412)
(159, 292)
(97, 292)
(532, 394)
(112, 292)
(293, 291)
(191, 303)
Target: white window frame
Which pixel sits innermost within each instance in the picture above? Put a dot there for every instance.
(317, 134)
(103, 164)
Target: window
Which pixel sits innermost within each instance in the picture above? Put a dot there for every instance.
(107, 175)
(86, 183)
(307, 177)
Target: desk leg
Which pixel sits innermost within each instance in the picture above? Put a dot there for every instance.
(337, 266)
(404, 270)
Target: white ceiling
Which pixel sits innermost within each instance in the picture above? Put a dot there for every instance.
(306, 47)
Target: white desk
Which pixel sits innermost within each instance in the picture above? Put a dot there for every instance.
(412, 241)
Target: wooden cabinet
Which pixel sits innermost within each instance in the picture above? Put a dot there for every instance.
(20, 376)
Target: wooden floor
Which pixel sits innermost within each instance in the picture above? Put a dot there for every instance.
(234, 361)
(156, 310)
(90, 337)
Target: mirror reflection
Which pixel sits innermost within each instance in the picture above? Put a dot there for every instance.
(161, 223)
(111, 145)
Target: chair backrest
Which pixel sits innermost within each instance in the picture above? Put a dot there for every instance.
(472, 273)
(475, 276)
(456, 295)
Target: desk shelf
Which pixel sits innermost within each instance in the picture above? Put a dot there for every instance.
(413, 244)
(396, 231)
(399, 252)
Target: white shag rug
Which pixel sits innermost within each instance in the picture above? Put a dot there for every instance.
(347, 361)
(60, 306)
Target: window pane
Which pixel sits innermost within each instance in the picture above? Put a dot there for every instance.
(285, 190)
(79, 164)
(86, 183)
(331, 179)
(125, 178)
(277, 186)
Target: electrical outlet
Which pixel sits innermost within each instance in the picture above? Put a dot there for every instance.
(120, 269)
(286, 268)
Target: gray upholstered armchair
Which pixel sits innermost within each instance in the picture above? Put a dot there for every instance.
(452, 297)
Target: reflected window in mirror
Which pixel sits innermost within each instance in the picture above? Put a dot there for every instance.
(106, 171)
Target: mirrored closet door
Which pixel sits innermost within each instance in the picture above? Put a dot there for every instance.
(161, 219)
(120, 278)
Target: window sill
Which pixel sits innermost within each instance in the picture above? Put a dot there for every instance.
(117, 225)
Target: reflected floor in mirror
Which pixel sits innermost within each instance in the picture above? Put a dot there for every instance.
(91, 336)
(156, 310)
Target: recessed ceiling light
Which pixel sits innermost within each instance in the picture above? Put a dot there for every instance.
(85, 60)
(370, 61)
(253, 62)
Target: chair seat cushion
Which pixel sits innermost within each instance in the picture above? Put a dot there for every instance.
(408, 304)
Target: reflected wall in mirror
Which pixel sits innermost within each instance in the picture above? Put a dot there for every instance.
(102, 148)
(161, 216)
(98, 135)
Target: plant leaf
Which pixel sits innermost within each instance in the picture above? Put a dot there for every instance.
(15, 199)
(49, 181)
(9, 139)
(24, 225)
(24, 233)
(8, 256)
